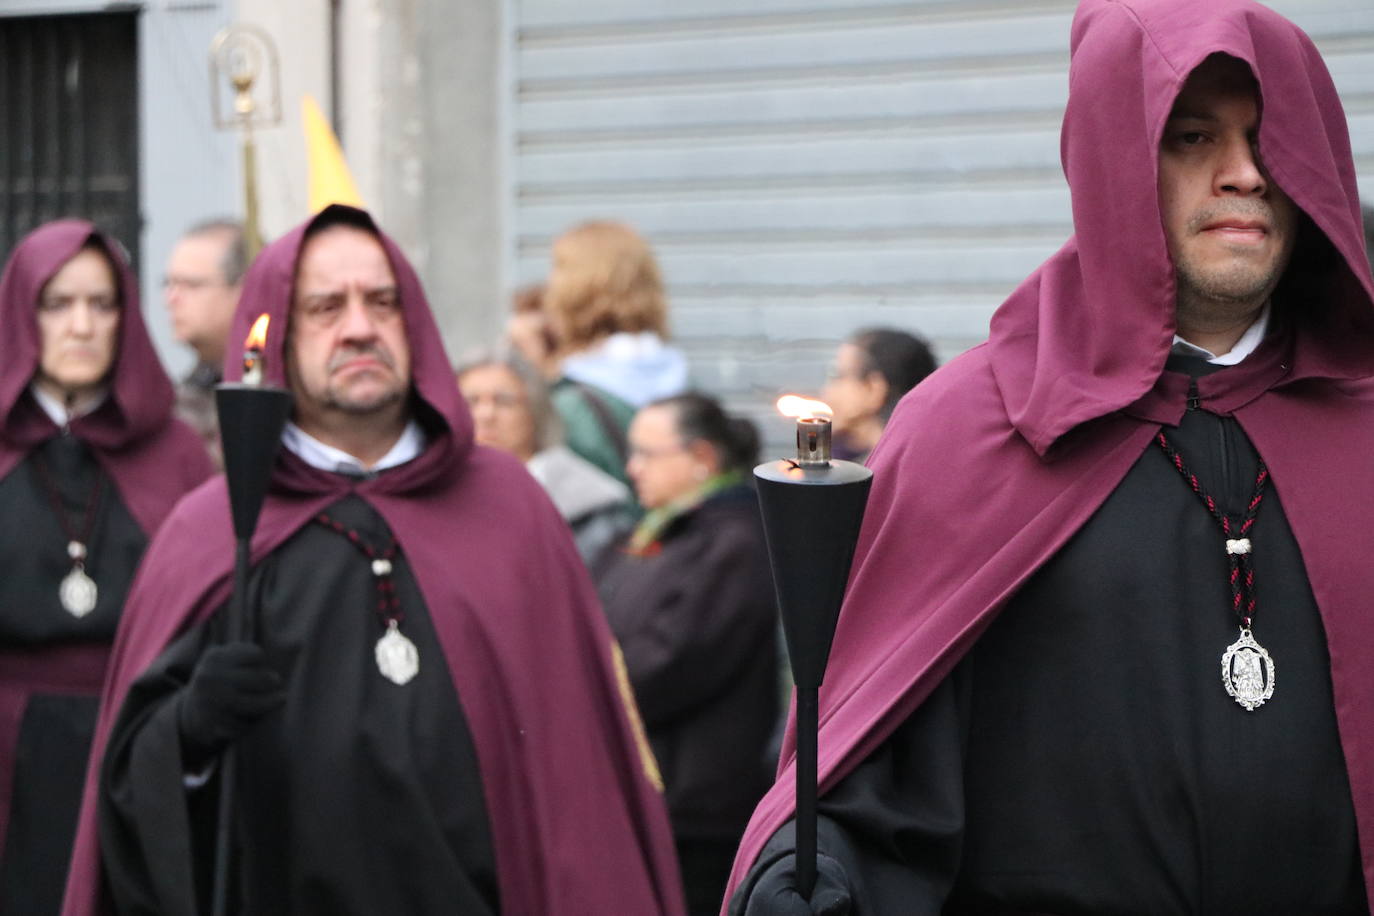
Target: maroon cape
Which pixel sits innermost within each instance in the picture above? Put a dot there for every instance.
(991, 465)
(152, 458)
(578, 823)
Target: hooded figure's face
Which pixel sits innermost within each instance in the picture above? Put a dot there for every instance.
(1230, 228)
(78, 324)
(347, 350)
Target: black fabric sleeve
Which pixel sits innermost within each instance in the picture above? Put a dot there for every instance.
(149, 837)
(895, 824)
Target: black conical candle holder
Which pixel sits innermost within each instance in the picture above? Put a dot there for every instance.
(251, 420)
(812, 509)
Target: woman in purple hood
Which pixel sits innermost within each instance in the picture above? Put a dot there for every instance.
(90, 463)
(1093, 541)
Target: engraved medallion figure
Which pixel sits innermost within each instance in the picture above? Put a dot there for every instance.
(1247, 672)
(1246, 675)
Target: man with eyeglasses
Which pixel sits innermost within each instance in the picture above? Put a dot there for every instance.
(201, 288)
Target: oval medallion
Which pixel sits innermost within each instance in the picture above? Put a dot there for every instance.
(397, 657)
(77, 593)
(1247, 672)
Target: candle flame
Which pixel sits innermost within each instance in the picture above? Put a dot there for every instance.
(257, 337)
(790, 405)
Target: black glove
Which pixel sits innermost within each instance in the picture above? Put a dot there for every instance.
(231, 688)
(775, 892)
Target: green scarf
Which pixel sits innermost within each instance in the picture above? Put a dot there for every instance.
(656, 521)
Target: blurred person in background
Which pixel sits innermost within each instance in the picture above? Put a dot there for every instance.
(201, 288)
(530, 332)
(511, 411)
(690, 597)
(871, 372)
(91, 461)
(608, 310)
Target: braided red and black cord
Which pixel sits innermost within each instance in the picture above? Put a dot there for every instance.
(388, 603)
(1242, 569)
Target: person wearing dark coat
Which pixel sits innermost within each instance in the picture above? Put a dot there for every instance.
(690, 598)
(428, 715)
(1093, 542)
(91, 461)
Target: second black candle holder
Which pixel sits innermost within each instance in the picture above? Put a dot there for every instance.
(812, 510)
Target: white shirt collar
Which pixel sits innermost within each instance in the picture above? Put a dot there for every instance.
(328, 458)
(1243, 348)
(58, 411)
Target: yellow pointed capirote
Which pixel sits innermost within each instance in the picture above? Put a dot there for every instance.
(330, 180)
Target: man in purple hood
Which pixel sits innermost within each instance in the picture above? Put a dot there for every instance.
(431, 717)
(91, 461)
(1094, 540)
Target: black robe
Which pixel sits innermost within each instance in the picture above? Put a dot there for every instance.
(1084, 758)
(358, 796)
(54, 735)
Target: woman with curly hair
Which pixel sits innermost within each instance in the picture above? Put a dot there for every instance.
(609, 313)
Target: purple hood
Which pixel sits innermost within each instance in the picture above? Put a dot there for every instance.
(152, 458)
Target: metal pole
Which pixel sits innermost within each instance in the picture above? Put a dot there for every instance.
(252, 234)
(235, 630)
(808, 728)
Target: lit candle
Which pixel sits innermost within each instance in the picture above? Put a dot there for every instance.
(813, 429)
(253, 361)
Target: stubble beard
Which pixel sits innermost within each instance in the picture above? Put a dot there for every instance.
(1230, 292)
(340, 400)
(1225, 294)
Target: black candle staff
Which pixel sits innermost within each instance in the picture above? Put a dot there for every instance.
(812, 509)
(251, 420)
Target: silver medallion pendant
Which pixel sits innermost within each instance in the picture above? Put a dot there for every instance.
(1247, 672)
(397, 657)
(78, 592)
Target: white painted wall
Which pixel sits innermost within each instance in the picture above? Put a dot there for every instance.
(189, 172)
